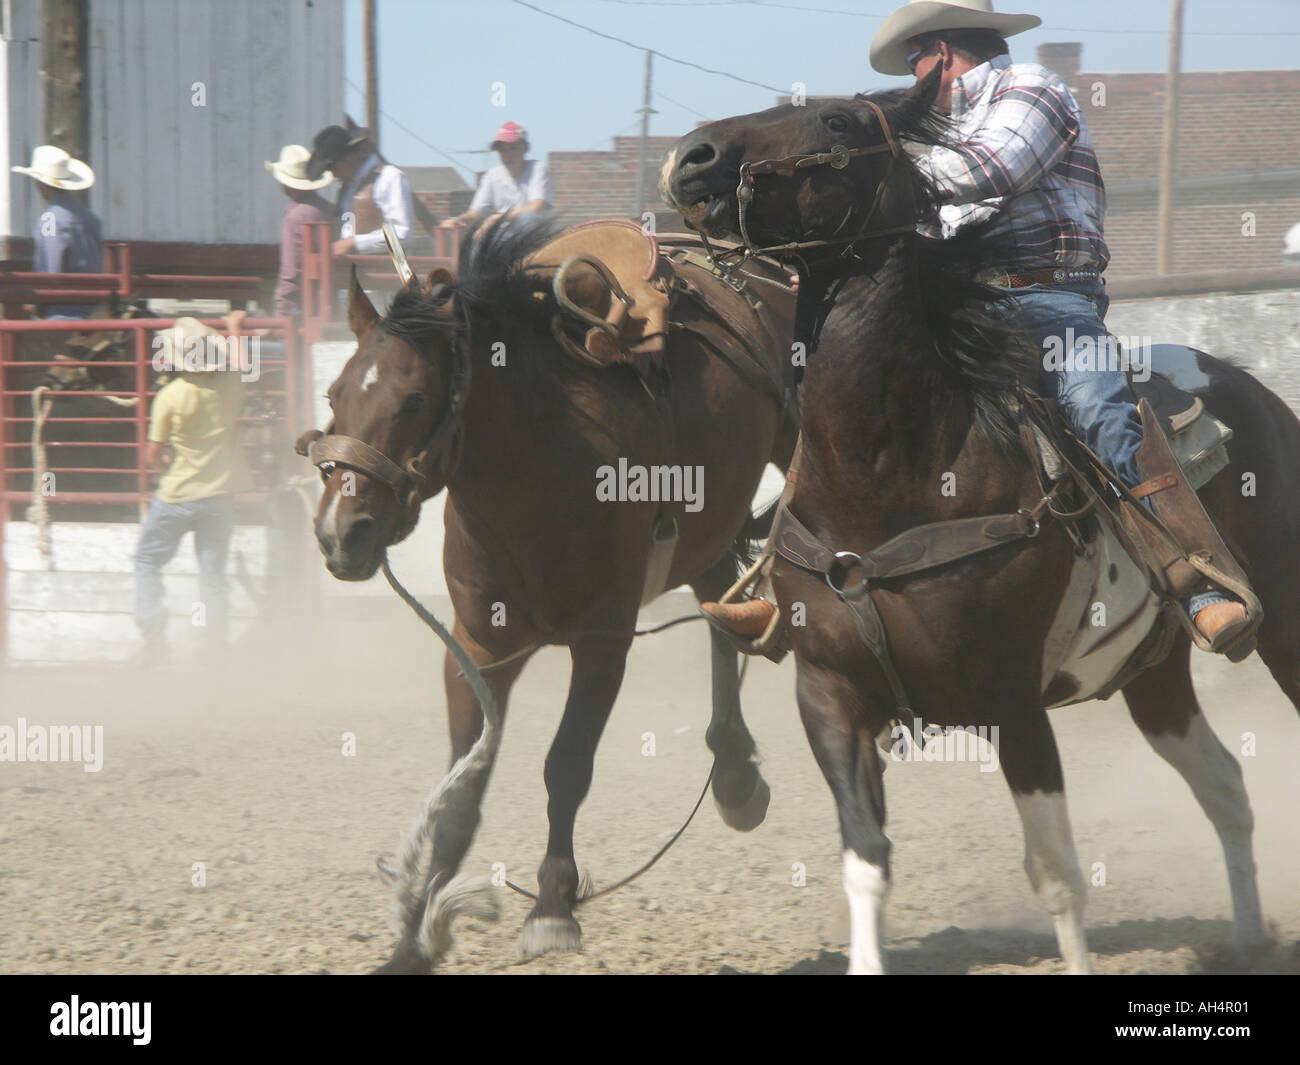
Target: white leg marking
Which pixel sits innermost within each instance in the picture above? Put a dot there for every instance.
(866, 885)
(1053, 870)
(372, 376)
(1215, 779)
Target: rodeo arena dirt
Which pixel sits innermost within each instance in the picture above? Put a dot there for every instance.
(590, 547)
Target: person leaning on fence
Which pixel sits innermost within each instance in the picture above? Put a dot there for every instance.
(519, 189)
(373, 192)
(67, 239)
(197, 415)
(305, 205)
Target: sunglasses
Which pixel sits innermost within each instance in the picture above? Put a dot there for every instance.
(916, 57)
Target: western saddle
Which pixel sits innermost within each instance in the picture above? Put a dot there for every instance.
(619, 290)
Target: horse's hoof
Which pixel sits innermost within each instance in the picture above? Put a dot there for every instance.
(404, 965)
(544, 934)
(749, 814)
(1251, 946)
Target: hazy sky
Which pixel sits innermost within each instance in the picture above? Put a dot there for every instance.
(440, 59)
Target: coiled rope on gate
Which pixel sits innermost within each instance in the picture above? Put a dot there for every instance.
(491, 713)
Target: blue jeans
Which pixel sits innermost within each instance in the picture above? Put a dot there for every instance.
(212, 520)
(1096, 402)
(1095, 399)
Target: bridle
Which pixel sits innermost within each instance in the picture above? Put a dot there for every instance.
(411, 483)
(837, 159)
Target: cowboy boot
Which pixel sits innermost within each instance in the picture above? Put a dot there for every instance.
(752, 623)
(1196, 560)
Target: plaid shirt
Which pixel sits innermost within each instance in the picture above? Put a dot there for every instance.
(1022, 161)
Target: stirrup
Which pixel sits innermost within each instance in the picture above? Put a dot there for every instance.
(1234, 641)
(768, 641)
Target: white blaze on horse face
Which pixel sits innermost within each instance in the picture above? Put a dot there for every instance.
(1054, 872)
(866, 885)
(372, 376)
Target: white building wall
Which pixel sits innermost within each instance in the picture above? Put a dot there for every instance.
(266, 73)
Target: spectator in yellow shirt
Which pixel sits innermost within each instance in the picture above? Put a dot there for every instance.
(197, 416)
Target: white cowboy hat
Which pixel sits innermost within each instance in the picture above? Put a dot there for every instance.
(889, 49)
(189, 346)
(291, 169)
(53, 166)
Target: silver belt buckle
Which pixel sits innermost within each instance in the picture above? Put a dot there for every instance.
(1059, 276)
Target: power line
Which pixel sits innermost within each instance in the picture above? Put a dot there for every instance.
(664, 96)
(1054, 29)
(880, 18)
(642, 48)
(411, 133)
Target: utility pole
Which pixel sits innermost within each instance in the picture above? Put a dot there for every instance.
(64, 80)
(1165, 221)
(372, 72)
(646, 112)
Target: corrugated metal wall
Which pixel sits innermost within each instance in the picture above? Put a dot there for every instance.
(166, 169)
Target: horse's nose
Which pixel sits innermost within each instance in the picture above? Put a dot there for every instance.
(357, 536)
(696, 155)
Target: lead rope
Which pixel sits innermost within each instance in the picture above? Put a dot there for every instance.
(492, 715)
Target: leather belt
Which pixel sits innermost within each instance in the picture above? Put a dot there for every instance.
(1052, 275)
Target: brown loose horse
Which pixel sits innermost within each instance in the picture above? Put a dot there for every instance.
(910, 387)
(463, 386)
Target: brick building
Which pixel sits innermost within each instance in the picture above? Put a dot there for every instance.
(1238, 151)
(602, 184)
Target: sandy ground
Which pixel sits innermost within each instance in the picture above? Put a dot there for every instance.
(243, 771)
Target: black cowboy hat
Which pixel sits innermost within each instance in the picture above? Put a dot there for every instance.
(330, 145)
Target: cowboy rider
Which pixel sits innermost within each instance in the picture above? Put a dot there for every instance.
(1021, 178)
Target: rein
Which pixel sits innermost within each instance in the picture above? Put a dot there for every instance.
(492, 715)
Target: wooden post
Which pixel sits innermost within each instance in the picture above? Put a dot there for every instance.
(1165, 221)
(65, 85)
(646, 112)
(372, 73)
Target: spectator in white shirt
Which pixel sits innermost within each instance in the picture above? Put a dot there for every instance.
(519, 188)
(374, 192)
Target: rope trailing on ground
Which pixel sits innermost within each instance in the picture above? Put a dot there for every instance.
(491, 714)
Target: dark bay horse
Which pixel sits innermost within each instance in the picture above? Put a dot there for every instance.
(462, 386)
(910, 388)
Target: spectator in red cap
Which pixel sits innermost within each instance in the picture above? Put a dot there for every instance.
(519, 188)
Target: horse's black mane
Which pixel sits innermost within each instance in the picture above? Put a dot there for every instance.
(418, 316)
(987, 353)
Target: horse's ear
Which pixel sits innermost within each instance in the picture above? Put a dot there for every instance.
(307, 439)
(361, 312)
(439, 275)
(441, 284)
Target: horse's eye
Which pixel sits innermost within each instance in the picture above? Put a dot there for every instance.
(837, 123)
(413, 403)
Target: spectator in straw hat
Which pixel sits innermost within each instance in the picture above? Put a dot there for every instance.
(68, 237)
(305, 205)
(518, 188)
(196, 414)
